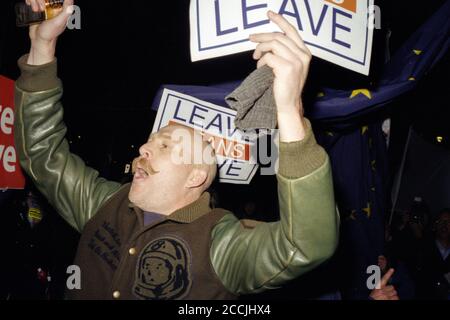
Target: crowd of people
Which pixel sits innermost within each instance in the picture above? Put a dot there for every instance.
(417, 242)
(414, 264)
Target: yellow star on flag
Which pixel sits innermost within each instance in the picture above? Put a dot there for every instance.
(368, 210)
(320, 95)
(365, 92)
(364, 129)
(417, 52)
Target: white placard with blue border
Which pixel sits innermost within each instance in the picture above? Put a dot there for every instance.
(339, 31)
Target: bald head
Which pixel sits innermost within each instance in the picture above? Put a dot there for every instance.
(193, 149)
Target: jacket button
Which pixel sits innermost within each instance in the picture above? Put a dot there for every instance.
(116, 294)
(132, 251)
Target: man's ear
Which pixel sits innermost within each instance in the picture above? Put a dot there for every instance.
(197, 178)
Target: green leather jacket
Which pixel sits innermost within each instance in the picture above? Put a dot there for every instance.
(247, 260)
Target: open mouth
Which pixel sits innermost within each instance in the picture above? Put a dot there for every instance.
(142, 169)
(141, 173)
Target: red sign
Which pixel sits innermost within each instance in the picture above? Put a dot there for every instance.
(11, 176)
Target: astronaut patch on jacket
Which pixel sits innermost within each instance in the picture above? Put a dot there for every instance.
(163, 270)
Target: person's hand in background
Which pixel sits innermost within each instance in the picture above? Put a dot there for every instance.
(386, 292)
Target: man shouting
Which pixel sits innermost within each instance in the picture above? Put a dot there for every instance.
(158, 238)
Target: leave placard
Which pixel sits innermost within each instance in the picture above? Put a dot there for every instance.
(11, 176)
(339, 31)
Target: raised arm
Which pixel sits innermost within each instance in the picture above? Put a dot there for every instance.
(74, 189)
(254, 260)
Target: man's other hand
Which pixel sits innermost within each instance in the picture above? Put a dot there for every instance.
(287, 55)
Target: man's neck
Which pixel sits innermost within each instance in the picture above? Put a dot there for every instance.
(169, 209)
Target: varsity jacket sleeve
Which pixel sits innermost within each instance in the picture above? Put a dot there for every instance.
(74, 189)
(270, 254)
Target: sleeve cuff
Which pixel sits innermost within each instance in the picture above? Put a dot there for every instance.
(299, 159)
(37, 78)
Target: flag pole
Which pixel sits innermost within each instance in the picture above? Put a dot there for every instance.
(398, 182)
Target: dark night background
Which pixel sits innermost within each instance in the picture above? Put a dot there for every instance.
(113, 67)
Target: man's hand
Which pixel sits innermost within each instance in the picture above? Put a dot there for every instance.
(385, 292)
(289, 58)
(43, 36)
